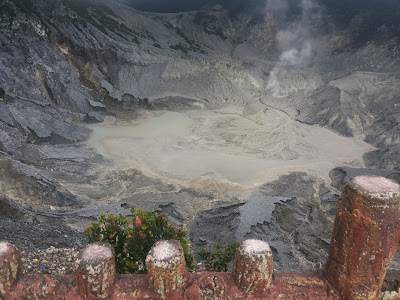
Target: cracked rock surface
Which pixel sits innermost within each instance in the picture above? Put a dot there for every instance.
(252, 159)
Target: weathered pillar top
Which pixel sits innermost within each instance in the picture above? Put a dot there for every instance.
(253, 247)
(96, 271)
(365, 236)
(4, 248)
(163, 251)
(167, 269)
(96, 252)
(253, 267)
(376, 187)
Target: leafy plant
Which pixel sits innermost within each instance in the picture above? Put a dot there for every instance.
(220, 258)
(132, 239)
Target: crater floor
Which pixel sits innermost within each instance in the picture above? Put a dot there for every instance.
(192, 147)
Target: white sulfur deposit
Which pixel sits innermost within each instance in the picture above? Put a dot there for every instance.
(255, 247)
(165, 250)
(4, 248)
(378, 187)
(96, 252)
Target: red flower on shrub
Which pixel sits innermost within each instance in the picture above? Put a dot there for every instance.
(133, 239)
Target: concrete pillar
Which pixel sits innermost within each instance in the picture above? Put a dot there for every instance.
(253, 267)
(10, 267)
(96, 271)
(166, 268)
(365, 237)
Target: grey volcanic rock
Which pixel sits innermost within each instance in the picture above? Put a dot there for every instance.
(5, 115)
(45, 128)
(294, 229)
(32, 187)
(297, 228)
(296, 184)
(361, 111)
(385, 158)
(186, 202)
(176, 104)
(341, 175)
(20, 226)
(11, 139)
(67, 163)
(338, 177)
(243, 221)
(11, 209)
(328, 97)
(39, 236)
(64, 65)
(256, 211)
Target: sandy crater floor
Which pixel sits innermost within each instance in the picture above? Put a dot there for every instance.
(223, 146)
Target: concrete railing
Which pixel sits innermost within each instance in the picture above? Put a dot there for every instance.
(365, 238)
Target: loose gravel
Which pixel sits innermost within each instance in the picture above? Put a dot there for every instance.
(49, 261)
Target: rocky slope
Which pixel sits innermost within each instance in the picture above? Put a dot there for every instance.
(65, 64)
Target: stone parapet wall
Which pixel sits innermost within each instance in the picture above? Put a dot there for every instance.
(366, 235)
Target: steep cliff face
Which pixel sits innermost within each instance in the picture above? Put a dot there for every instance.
(65, 64)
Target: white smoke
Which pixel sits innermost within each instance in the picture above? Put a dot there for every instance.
(297, 46)
(277, 6)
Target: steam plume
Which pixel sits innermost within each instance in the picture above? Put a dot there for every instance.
(297, 46)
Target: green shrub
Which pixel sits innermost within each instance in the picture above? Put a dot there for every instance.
(220, 258)
(2, 92)
(133, 239)
(157, 45)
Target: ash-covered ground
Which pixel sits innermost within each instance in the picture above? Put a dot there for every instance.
(234, 125)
